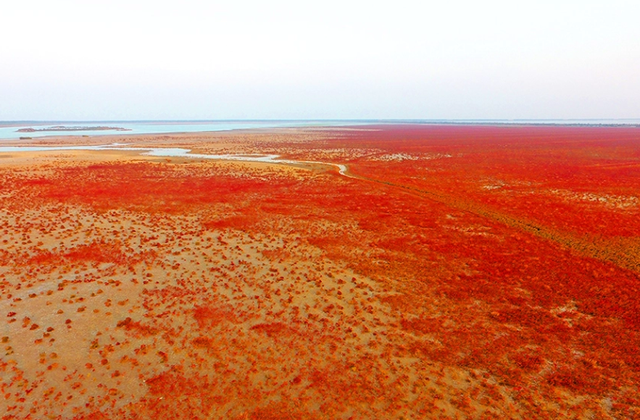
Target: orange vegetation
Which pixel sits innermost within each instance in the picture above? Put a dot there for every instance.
(455, 272)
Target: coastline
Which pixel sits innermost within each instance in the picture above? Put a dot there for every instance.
(188, 127)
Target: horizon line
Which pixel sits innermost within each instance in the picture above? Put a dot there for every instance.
(319, 119)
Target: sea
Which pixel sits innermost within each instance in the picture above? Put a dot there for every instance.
(9, 129)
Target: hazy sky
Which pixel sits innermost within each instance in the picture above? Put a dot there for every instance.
(188, 59)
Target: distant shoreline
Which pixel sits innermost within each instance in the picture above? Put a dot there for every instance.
(65, 128)
(13, 130)
(61, 125)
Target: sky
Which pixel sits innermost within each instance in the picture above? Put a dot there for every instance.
(190, 59)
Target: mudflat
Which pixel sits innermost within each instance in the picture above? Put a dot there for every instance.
(448, 272)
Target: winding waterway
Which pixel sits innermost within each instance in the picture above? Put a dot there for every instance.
(174, 152)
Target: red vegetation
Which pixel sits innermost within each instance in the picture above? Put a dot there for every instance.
(136, 327)
(458, 272)
(208, 317)
(272, 329)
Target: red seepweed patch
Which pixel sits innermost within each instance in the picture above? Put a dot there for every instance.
(460, 271)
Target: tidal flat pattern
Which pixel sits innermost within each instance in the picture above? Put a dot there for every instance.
(456, 272)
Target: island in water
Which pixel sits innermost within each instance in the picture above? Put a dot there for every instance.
(66, 128)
